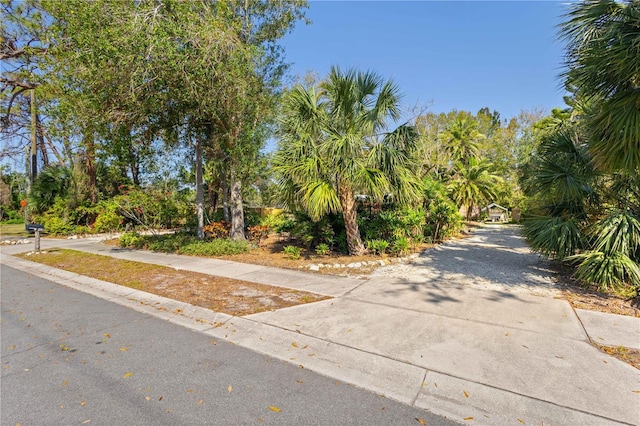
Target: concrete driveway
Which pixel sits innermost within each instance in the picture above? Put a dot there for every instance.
(473, 330)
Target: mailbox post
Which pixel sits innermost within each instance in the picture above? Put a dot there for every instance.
(35, 227)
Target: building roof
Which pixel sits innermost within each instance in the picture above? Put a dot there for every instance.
(492, 205)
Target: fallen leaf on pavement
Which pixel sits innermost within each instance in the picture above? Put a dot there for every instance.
(276, 409)
(230, 388)
(107, 335)
(465, 394)
(124, 349)
(468, 418)
(294, 344)
(422, 422)
(65, 383)
(127, 375)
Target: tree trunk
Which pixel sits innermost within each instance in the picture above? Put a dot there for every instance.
(226, 211)
(237, 213)
(34, 148)
(199, 189)
(134, 166)
(90, 165)
(348, 203)
(41, 144)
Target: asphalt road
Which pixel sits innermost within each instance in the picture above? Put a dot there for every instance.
(71, 358)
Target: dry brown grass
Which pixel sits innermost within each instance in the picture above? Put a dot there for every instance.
(231, 296)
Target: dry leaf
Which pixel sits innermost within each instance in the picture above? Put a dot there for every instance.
(294, 344)
(65, 383)
(230, 388)
(148, 398)
(435, 384)
(468, 418)
(465, 394)
(276, 409)
(300, 381)
(190, 391)
(422, 422)
(83, 403)
(124, 349)
(107, 335)
(200, 402)
(160, 399)
(86, 421)
(127, 375)
(637, 391)
(521, 421)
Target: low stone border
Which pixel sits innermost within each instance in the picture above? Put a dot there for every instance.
(14, 242)
(356, 265)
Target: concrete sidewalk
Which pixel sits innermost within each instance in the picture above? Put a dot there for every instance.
(494, 345)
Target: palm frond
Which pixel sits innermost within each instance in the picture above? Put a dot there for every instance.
(608, 271)
(618, 232)
(554, 236)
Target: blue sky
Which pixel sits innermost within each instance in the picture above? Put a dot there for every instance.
(443, 55)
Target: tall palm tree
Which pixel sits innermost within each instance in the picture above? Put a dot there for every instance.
(461, 139)
(334, 145)
(473, 184)
(603, 63)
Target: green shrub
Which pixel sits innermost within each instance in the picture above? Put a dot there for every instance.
(378, 247)
(107, 221)
(218, 247)
(56, 225)
(400, 246)
(279, 222)
(131, 240)
(322, 249)
(293, 252)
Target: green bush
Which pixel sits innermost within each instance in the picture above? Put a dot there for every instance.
(218, 247)
(107, 221)
(378, 247)
(322, 249)
(293, 252)
(131, 240)
(278, 222)
(400, 246)
(57, 225)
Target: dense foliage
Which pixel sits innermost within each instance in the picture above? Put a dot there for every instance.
(585, 177)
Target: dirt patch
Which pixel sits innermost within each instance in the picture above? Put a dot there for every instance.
(581, 297)
(231, 296)
(628, 355)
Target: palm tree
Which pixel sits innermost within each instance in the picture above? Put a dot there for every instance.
(461, 139)
(603, 63)
(334, 145)
(472, 184)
